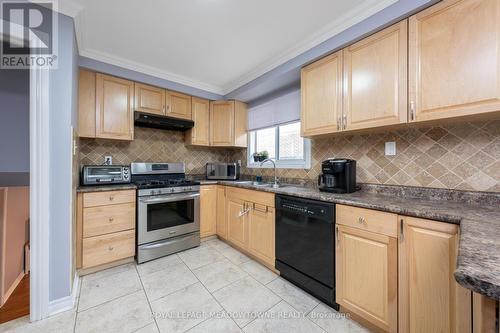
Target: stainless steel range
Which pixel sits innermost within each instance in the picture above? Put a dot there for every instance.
(168, 210)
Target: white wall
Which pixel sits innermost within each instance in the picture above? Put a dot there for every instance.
(63, 83)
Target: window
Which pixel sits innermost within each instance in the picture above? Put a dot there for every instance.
(283, 143)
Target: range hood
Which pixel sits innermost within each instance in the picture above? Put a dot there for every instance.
(144, 119)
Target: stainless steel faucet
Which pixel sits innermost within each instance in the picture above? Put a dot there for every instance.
(276, 184)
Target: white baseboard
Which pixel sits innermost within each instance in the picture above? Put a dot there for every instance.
(65, 303)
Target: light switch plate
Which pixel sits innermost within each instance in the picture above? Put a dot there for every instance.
(390, 148)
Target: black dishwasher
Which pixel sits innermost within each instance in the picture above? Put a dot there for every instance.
(305, 246)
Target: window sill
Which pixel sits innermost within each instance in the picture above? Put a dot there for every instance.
(282, 165)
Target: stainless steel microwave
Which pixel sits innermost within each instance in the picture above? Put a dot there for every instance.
(105, 174)
(223, 171)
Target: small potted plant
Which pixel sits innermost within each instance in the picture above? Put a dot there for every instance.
(260, 156)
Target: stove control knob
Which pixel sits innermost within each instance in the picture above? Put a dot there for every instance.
(172, 190)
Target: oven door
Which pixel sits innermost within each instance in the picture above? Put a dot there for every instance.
(165, 216)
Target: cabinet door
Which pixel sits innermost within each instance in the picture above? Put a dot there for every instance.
(199, 134)
(178, 105)
(114, 114)
(208, 210)
(366, 275)
(454, 59)
(149, 99)
(86, 104)
(375, 79)
(237, 216)
(321, 96)
(430, 300)
(221, 212)
(261, 231)
(240, 124)
(222, 123)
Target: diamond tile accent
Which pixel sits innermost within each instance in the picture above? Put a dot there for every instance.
(462, 156)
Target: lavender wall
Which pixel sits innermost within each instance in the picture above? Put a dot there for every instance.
(14, 128)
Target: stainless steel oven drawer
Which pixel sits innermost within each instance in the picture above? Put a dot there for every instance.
(168, 246)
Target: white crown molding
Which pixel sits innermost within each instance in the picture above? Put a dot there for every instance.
(149, 70)
(354, 16)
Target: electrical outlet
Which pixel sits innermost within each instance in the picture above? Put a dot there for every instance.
(108, 160)
(390, 148)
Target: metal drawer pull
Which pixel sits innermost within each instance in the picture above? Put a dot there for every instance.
(260, 210)
(111, 219)
(361, 220)
(111, 198)
(110, 248)
(337, 234)
(401, 229)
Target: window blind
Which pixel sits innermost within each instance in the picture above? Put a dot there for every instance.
(283, 109)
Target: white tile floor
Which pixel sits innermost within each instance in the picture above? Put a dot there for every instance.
(212, 288)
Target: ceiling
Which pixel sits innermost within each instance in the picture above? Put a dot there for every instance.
(214, 45)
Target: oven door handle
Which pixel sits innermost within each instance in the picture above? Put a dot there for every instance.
(169, 198)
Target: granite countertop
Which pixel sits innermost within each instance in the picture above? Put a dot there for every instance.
(103, 188)
(478, 263)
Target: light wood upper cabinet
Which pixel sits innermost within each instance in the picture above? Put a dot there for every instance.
(430, 300)
(149, 99)
(221, 123)
(240, 124)
(86, 104)
(261, 233)
(208, 210)
(375, 79)
(367, 268)
(199, 135)
(454, 59)
(237, 221)
(114, 108)
(221, 212)
(178, 105)
(321, 89)
(228, 124)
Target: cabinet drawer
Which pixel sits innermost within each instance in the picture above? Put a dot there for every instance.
(368, 219)
(108, 198)
(108, 248)
(102, 220)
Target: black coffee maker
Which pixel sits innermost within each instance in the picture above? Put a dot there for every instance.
(339, 176)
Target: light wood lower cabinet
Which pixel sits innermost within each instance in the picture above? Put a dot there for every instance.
(208, 210)
(430, 300)
(105, 231)
(237, 220)
(221, 212)
(367, 266)
(250, 225)
(261, 232)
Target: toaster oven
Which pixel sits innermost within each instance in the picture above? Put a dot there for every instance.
(105, 174)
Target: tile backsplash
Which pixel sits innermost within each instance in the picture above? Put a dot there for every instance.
(151, 145)
(463, 156)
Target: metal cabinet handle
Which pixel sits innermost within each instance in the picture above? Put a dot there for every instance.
(401, 230)
(412, 111)
(344, 117)
(339, 122)
(337, 234)
(111, 219)
(110, 248)
(111, 198)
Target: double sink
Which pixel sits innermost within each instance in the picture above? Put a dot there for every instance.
(261, 184)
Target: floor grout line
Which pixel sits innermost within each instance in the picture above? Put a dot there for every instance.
(147, 299)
